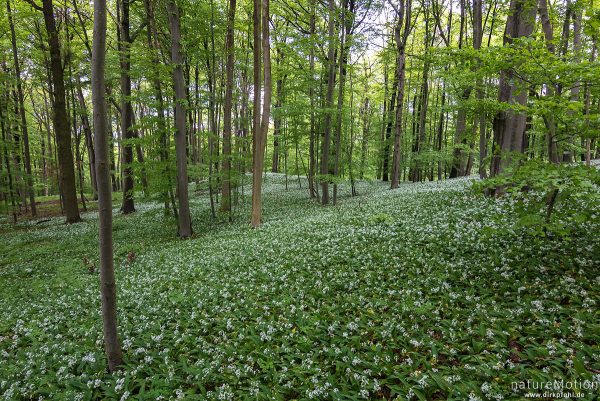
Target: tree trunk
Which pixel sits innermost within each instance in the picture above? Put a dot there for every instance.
(185, 223)
(127, 134)
(226, 170)
(311, 93)
(277, 115)
(107, 275)
(261, 39)
(401, 33)
(24, 131)
(347, 24)
(509, 125)
(60, 119)
(329, 104)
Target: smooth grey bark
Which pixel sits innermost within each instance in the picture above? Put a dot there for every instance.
(259, 159)
(329, 104)
(107, 275)
(509, 125)
(401, 32)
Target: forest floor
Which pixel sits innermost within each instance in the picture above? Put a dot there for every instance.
(427, 292)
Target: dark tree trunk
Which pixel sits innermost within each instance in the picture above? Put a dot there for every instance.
(227, 129)
(127, 133)
(60, 119)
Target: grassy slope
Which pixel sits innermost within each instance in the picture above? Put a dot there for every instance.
(427, 291)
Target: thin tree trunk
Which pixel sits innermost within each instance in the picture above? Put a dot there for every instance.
(127, 133)
(401, 33)
(185, 222)
(345, 37)
(311, 93)
(329, 104)
(24, 131)
(227, 129)
(108, 289)
(87, 130)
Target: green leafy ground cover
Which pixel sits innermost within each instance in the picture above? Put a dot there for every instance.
(427, 292)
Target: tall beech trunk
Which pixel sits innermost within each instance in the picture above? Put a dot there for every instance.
(227, 106)
(185, 221)
(509, 125)
(108, 289)
(60, 119)
(256, 131)
(311, 93)
(401, 32)
(347, 25)
(329, 104)
(261, 41)
(127, 133)
(23, 122)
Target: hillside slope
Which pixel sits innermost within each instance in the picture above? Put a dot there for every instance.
(425, 292)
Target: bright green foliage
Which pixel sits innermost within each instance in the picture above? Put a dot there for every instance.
(550, 200)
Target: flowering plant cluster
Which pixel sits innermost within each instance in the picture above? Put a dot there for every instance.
(428, 292)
